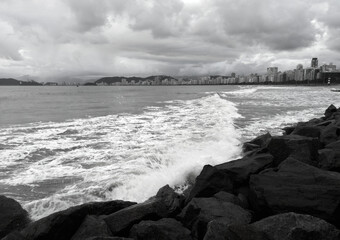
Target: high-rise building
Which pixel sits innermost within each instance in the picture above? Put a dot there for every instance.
(272, 73)
(314, 63)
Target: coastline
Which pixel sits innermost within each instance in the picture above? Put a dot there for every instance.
(290, 180)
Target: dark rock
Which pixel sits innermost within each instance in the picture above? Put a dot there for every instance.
(297, 187)
(324, 123)
(108, 238)
(288, 130)
(329, 157)
(329, 111)
(12, 216)
(241, 169)
(330, 134)
(210, 181)
(166, 203)
(220, 231)
(292, 226)
(166, 228)
(301, 148)
(15, 235)
(200, 211)
(92, 226)
(228, 197)
(258, 142)
(64, 224)
(307, 131)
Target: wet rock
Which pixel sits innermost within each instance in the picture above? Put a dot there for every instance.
(240, 170)
(200, 211)
(307, 131)
(329, 157)
(166, 203)
(297, 187)
(304, 149)
(329, 111)
(166, 228)
(64, 224)
(288, 130)
(210, 181)
(228, 197)
(12, 216)
(107, 238)
(92, 226)
(220, 231)
(292, 226)
(258, 142)
(15, 235)
(330, 134)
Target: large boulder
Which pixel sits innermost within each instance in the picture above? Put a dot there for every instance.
(92, 226)
(258, 142)
(200, 211)
(220, 231)
(12, 216)
(165, 229)
(293, 226)
(297, 187)
(210, 181)
(304, 149)
(330, 133)
(166, 203)
(241, 169)
(329, 157)
(307, 131)
(329, 111)
(64, 224)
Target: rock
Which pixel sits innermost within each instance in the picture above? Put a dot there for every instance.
(219, 231)
(307, 131)
(200, 211)
(92, 226)
(166, 203)
(241, 169)
(329, 111)
(329, 157)
(293, 226)
(330, 134)
(301, 148)
(228, 197)
(288, 130)
(15, 235)
(258, 142)
(297, 187)
(12, 216)
(210, 181)
(64, 224)
(166, 228)
(107, 238)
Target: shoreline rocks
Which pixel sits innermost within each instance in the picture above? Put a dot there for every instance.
(285, 187)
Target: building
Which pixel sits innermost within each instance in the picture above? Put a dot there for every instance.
(314, 63)
(328, 67)
(272, 73)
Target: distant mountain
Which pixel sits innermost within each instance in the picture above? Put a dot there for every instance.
(14, 82)
(113, 80)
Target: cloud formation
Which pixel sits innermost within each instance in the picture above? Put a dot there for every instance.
(54, 39)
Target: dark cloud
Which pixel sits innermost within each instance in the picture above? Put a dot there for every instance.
(54, 39)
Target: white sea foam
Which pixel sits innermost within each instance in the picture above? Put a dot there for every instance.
(122, 156)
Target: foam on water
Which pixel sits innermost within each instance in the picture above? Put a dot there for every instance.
(53, 166)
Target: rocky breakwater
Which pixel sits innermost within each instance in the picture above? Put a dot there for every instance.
(285, 187)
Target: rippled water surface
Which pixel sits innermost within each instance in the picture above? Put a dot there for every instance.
(62, 146)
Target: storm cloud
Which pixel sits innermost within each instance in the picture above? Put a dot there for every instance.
(85, 39)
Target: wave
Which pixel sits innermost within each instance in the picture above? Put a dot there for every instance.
(125, 156)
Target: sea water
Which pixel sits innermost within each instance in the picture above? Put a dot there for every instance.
(63, 146)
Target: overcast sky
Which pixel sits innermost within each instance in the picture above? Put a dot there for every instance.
(51, 39)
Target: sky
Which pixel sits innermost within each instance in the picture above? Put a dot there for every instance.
(87, 39)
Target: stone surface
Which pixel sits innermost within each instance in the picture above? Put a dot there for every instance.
(329, 157)
(92, 226)
(210, 181)
(200, 211)
(241, 169)
(258, 142)
(165, 229)
(12, 216)
(307, 131)
(301, 148)
(329, 111)
(297, 187)
(165, 204)
(330, 134)
(292, 226)
(64, 224)
(228, 197)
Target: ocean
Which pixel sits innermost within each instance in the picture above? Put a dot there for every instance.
(63, 146)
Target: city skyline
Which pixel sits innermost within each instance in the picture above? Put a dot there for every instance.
(83, 40)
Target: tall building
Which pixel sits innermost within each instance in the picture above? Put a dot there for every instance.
(314, 63)
(272, 73)
(328, 67)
